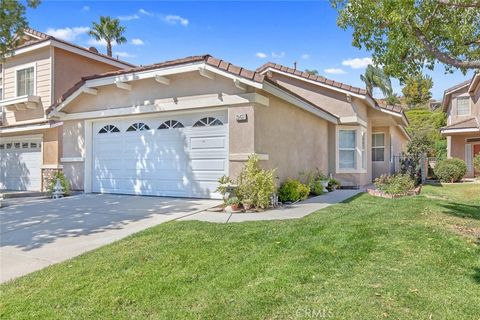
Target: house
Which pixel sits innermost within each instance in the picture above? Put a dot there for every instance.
(174, 128)
(462, 106)
(40, 69)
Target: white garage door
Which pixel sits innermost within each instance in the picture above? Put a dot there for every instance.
(20, 164)
(180, 156)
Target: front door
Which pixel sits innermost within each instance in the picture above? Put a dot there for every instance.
(476, 150)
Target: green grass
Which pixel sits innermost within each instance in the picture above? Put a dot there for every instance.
(368, 258)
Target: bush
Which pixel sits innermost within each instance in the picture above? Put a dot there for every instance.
(293, 190)
(450, 170)
(255, 183)
(313, 179)
(333, 184)
(63, 181)
(396, 184)
(316, 188)
(476, 163)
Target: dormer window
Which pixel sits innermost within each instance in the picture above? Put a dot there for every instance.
(463, 106)
(25, 81)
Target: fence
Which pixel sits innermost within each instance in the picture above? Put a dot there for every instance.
(425, 164)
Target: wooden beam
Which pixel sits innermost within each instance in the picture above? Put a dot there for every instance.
(240, 85)
(90, 91)
(123, 85)
(162, 80)
(206, 73)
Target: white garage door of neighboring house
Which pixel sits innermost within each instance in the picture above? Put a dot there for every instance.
(179, 156)
(20, 164)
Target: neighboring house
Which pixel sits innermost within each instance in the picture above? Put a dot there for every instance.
(39, 71)
(174, 128)
(462, 105)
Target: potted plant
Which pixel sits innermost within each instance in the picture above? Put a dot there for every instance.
(232, 204)
(247, 204)
(333, 184)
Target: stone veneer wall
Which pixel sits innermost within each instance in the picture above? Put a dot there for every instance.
(47, 176)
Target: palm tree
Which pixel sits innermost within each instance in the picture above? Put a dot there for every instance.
(374, 77)
(109, 30)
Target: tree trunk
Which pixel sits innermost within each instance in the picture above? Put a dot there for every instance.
(109, 48)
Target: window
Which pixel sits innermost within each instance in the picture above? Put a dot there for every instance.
(378, 147)
(169, 124)
(109, 129)
(463, 106)
(139, 126)
(1, 81)
(25, 145)
(346, 146)
(25, 81)
(2, 146)
(391, 149)
(207, 122)
(364, 151)
(34, 145)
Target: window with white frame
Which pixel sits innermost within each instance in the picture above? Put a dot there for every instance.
(463, 106)
(391, 149)
(347, 141)
(26, 81)
(378, 147)
(1, 81)
(364, 151)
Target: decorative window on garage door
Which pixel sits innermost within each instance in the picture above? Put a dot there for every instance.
(208, 122)
(169, 124)
(139, 126)
(109, 129)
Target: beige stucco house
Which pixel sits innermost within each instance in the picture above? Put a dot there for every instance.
(462, 105)
(38, 72)
(174, 128)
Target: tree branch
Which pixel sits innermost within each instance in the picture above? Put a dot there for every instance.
(441, 56)
(474, 4)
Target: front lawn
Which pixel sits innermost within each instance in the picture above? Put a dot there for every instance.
(368, 258)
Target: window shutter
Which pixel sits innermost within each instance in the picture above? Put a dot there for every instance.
(468, 158)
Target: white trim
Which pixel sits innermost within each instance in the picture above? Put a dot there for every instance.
(469, 158)
(123, 85)
(462, 97)
(206, 73)
(353, 120)
(314, 82)
(88, 164)
(91, 91)
(51, 166)
(20, 103)
(30, 127)
(30, 48)
(170, 104)
(162, 80)
(384, 147)
(244, 156)
(358, 149)
(25, 137)
(299, 103)
(72, 159)
(23, 67)
(459, 130)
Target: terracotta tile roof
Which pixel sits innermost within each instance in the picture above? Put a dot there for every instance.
(465, 124)
(309, 76)
(208, 59)
(45, 37)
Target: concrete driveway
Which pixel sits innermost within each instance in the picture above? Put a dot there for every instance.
(40, 232)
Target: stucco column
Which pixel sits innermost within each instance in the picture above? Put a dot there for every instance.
(241, 137)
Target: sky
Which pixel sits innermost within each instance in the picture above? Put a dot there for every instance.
(247, 34)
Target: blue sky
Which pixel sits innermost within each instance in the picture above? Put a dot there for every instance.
(244, 33)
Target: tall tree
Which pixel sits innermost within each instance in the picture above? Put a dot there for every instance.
(313, 72)
(406, 36)
(374, 77)
(109, 30)
(417, 90)
(12, 24)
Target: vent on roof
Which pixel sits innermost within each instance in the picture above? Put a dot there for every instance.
(93, 49)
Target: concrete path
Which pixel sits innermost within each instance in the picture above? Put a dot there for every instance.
(296, 211)
(38, 232)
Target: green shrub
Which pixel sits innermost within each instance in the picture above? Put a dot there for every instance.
(313, 179)
(396, 184)
(255, 183)
(476, 163)
(450, 170)
(63, 181)
(293, 190)
(316, 188)
(232, 201)
(333, 184)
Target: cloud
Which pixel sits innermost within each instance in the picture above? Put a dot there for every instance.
(357, 63)
(145, 12)
(68, 34)
(278, 55)
(334, 71)
(305, 56)
(137, 42)
(174, 19)
(86, 8)
(261, 55)
(130, 17)
(123, 54)
(101, 43)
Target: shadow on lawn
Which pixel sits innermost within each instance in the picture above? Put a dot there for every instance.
(351, 199)
(462, 210)
(476, 275)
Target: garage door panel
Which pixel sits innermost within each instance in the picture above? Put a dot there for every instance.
(184, 162)
(20, 165)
